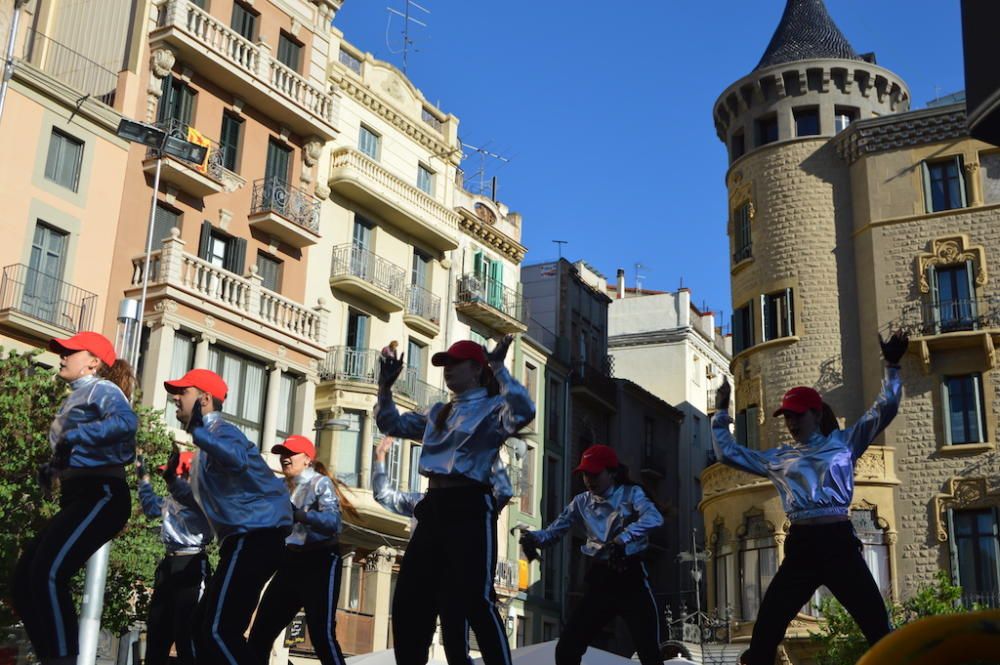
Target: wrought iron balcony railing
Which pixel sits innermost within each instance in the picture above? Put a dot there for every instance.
(344, 363)
(357, 261)
(276, 195)
(215, 157)
(743, 253)
(423, 303)
(478, 288)
(46, 298)
(947, 316)
(71, 67)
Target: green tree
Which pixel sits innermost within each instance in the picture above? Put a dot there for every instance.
(29, 399)
(841, 642)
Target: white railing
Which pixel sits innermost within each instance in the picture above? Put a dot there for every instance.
(298, 89)
(244, 295)
(395, 186)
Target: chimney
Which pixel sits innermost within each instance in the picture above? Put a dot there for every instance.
(621, 283)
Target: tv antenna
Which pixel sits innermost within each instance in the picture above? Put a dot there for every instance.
(407, 19)
(480, 174)
(559, 244)
(639, 277)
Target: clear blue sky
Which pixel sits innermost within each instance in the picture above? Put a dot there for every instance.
(605, 110)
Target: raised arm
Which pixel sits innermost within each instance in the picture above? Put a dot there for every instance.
(390, 498)
(408, 425)
(867, 428)
(225, 445)
(517, 409)
(727, 448)
(117, 419)
(649, 517)
(560, 525)
(152, 504)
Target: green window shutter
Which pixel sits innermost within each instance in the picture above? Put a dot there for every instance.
(928, 196)
(205, 240)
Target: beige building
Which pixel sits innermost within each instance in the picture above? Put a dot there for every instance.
(852, 215)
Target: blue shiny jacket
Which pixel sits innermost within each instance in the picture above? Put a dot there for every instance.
(98, 422)
(469, 442)
(624, 513)
(404, 503)
(185, 528)
(816, 478)
(236, 489)
(315, 494)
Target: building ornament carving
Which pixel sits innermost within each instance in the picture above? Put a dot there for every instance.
(485, 213)
(721, 478)
(161, 63)
(964, 493)
(488, 235)
(891, 133)
(871, 465)
(949, 250)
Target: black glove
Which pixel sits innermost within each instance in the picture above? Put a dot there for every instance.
(140, 467)
(722, 395)
(170, 470)
(389, 370)
(499, 351)
(529, 543)
(894, 348)
(60, 457)
(195, 420)
(45, 476)
(298, 514)
(616, 556)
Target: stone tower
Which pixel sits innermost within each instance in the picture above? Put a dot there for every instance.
(790, 221)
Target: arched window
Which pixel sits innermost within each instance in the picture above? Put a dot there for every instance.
(724, 569)
(758, 563)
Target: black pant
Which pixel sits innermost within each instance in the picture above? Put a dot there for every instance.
(307, 579)
(609, 593)
(180, 582)
(816, 555)
(451, 558)
(91, 511)
(246, 563)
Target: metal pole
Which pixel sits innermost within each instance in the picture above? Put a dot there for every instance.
(8, 63)
(93, 605)
(134, 356)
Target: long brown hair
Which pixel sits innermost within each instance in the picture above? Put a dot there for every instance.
(486, 380)
(338, 487)
(120, 374)
(828, 420)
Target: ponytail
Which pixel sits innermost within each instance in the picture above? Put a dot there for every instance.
(338, 486)
(486, 380)
(828, 420)
(120, 374)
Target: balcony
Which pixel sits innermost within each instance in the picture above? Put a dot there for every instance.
(284, 212)
(355, 634)
(597, 382)
(951, 324)
(62, 63)
(240, 301)
(363, 180)
(491, 303)
(368, 277)
(245, 69)
(199, 180)
(357, 369)
(423, 310)
(743, 253)
(508, 577)
(43, 306)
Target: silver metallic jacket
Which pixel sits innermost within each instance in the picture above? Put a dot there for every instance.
(185, 529)
(477, 426)
(624, 514)
(97, 420)
(314, 493)
(403, 503)
(232, 483)
(814, 479)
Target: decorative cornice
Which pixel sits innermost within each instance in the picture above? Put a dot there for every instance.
(950, 250)
(501, 242)
(367, 98)
(964, 493)
(88, 107)
(902, 130)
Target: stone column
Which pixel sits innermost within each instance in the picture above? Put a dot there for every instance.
(383, 603)
(201, 351)
(157, 361)
(366, 451)
(973, 185)
(890, 538)
(305, 415)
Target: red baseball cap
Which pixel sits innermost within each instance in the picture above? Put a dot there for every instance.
(202, 379)
(597, 458)
(96, 343)
(799, 400)
(465, 349)
(187, 459)
(295, 444)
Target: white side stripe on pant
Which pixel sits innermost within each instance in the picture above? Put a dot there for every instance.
(490, 567)
(54, 570)
(652, 599)
(222, 599)
(331, 610)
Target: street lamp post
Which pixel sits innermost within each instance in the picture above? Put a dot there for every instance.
(97, 566)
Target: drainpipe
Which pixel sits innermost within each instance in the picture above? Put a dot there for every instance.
(8, 63)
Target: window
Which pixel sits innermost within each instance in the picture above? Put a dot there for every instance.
(278, 158)
(531, 381)
(944, 186)
(743, 328)
(430, 119)
(232, 129)
(416, 358)
(777, 315)
(42, 295)
(953, 297)
(758, 563)
(767, 130)
(990, 169)
(806, 122)
(348, 455)
(368, 142)
(425, 179)
(349, 61)
(747, 427)
(741, 229)
(420, 269)
(244, 21)
(554, 415)
(164, 220)
(269, 269)
(843, 116)
(221, 249)
(875, 548)
(414, 478)
(289, 51)
(975, 555)
(247, 381)
(527, 484)
(737, 145)
(285, 421)
(176, 102)
(726, 575)
(362, 590)
(963, 409)
(62, 165)
(357, 330)
(181, 361)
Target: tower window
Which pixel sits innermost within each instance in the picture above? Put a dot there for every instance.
(767, 130)
(843, 116)
(737, 145)
(806, 122)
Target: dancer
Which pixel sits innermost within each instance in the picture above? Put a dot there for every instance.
(815, 480)
(617, 516)
(309, 575)
(183, 573)
(92, 439)
(455, 537)
(248, 508)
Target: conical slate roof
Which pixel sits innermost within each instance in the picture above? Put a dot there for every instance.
(806, 32)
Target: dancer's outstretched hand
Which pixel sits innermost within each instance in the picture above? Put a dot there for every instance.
(529, 543)
(499, 351)
(382, 450)
(894, 348)
(722, 395)
(389, 370)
